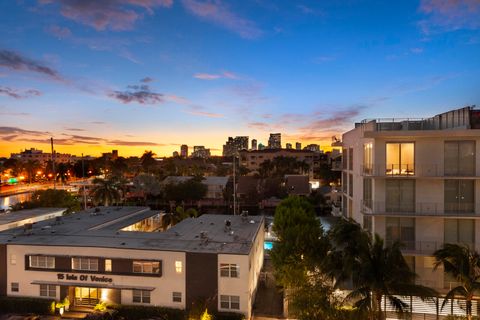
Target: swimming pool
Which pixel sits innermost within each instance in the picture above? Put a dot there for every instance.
(268, 245)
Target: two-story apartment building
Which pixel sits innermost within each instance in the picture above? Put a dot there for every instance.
(417, 181)
(118, 255)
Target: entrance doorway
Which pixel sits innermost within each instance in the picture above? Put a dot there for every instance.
(87, 296)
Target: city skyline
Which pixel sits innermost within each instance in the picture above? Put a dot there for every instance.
(155, 74)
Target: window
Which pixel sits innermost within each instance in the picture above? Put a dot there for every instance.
(368, 158)
(47, 290)
(178, 266)
(146, 267)
(13, 259)
(344, 158)
(14, 287)
(44, 262)
(344, 182)
(367, 193)
(367, 223)
(401, 229)
(230, 302)
(459, 158)
(176, 296)
(350, 185)
(88, 264)
(400, 158)
(350, 159)
(459, 196)
(400, 195)
(108, 265)
(141, 296)
(460, 231)
(229, 270)
(344, 206)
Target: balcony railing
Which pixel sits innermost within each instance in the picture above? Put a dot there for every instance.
(417, 170)
(418, 208)
(423, 247)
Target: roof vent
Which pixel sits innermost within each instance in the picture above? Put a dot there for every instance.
(228, 225)
(203, 234)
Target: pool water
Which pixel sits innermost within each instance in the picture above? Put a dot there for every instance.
(268, 245)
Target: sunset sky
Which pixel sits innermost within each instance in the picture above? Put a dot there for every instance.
(138, 75)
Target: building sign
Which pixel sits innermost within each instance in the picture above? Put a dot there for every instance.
(83, 277)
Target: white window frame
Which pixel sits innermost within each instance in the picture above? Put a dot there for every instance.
(229, 270)
(15, 287)
(48, 290)
(41, 262)
(141, 296)
(85, 264)
(108, 265)
(145, 267)
(176, 296)
(230, 302)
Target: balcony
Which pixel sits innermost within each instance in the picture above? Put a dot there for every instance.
(418, 170)
(436, 209)
(422, 247)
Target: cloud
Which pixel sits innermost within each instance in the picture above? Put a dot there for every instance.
(209, 76)
(263, 126)
(138, 93)
(19, 94)
(323, 59)
(304, 9)
(449, 15)
(416, 50)
(19, 131)
(132, 143)
(102, 15)
(205, 113)
(217, 13)
(75, 129)
(98, 122)
(15, 61)
(146, 80)
(59, 32)
(20, 114)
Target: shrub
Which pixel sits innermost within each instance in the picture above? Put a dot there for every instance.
(142, 312)
(26, 305)
(228, 316)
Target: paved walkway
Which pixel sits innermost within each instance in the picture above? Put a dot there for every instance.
(269, 298)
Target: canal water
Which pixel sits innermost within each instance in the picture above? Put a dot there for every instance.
(6, 202)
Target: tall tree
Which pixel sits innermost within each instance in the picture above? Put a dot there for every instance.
(463, 264)
(147, 184)
(106, 191)
(148, 160)
(31, 168)
(376, 270)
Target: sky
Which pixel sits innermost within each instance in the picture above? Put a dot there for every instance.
(138, 75)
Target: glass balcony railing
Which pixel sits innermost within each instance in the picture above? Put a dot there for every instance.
(418, 208)
(417, 170)
(422, 247)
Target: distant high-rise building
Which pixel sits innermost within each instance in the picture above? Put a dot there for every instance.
(254, 144)
(298, 145)
(200, 152)
(233, 145)
(289, 146)
(313, 147)
(184, 151)
(275, 141)
(175, 154)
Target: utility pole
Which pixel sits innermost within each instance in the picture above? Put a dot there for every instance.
(83, 178)
(53, 166)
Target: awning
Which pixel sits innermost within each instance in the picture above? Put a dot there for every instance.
(92, 285)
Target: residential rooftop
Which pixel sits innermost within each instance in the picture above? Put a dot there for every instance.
(207, 233)
(13, 219)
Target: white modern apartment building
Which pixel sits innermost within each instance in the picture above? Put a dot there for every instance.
(417, 181)
(118, 255)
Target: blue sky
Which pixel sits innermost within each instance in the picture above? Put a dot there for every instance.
(154, 74)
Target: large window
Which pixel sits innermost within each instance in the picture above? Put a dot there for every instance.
(87, 264)
(230, 302)
(146, 267)
(350, 159)
(350, 185)
(368, 158)
(400, 195)
(229, 270)
(367, 193)
(459, 196)
(48, 290)
(459, 158)
(344, 158)
(44, 262)
(344, 182)
(401, 229)
(400, 158)
(460, 231)
(141, 296)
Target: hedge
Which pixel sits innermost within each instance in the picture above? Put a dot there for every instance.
(142, 312)
(26, 305)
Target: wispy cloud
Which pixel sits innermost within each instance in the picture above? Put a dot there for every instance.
(75, 129)
(219, 14)
(147, 80)
(18, 93)
(59, 32)
(141, 94)
(201, 111)
(213, 76)
(323, 59)
(106, 14)
(449, 15)
(416, 50)
(16, 61)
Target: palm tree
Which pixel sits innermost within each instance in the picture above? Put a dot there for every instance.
(376, 270)
(148, 160)
(105, 191)
(172, 218)
(464, 265)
